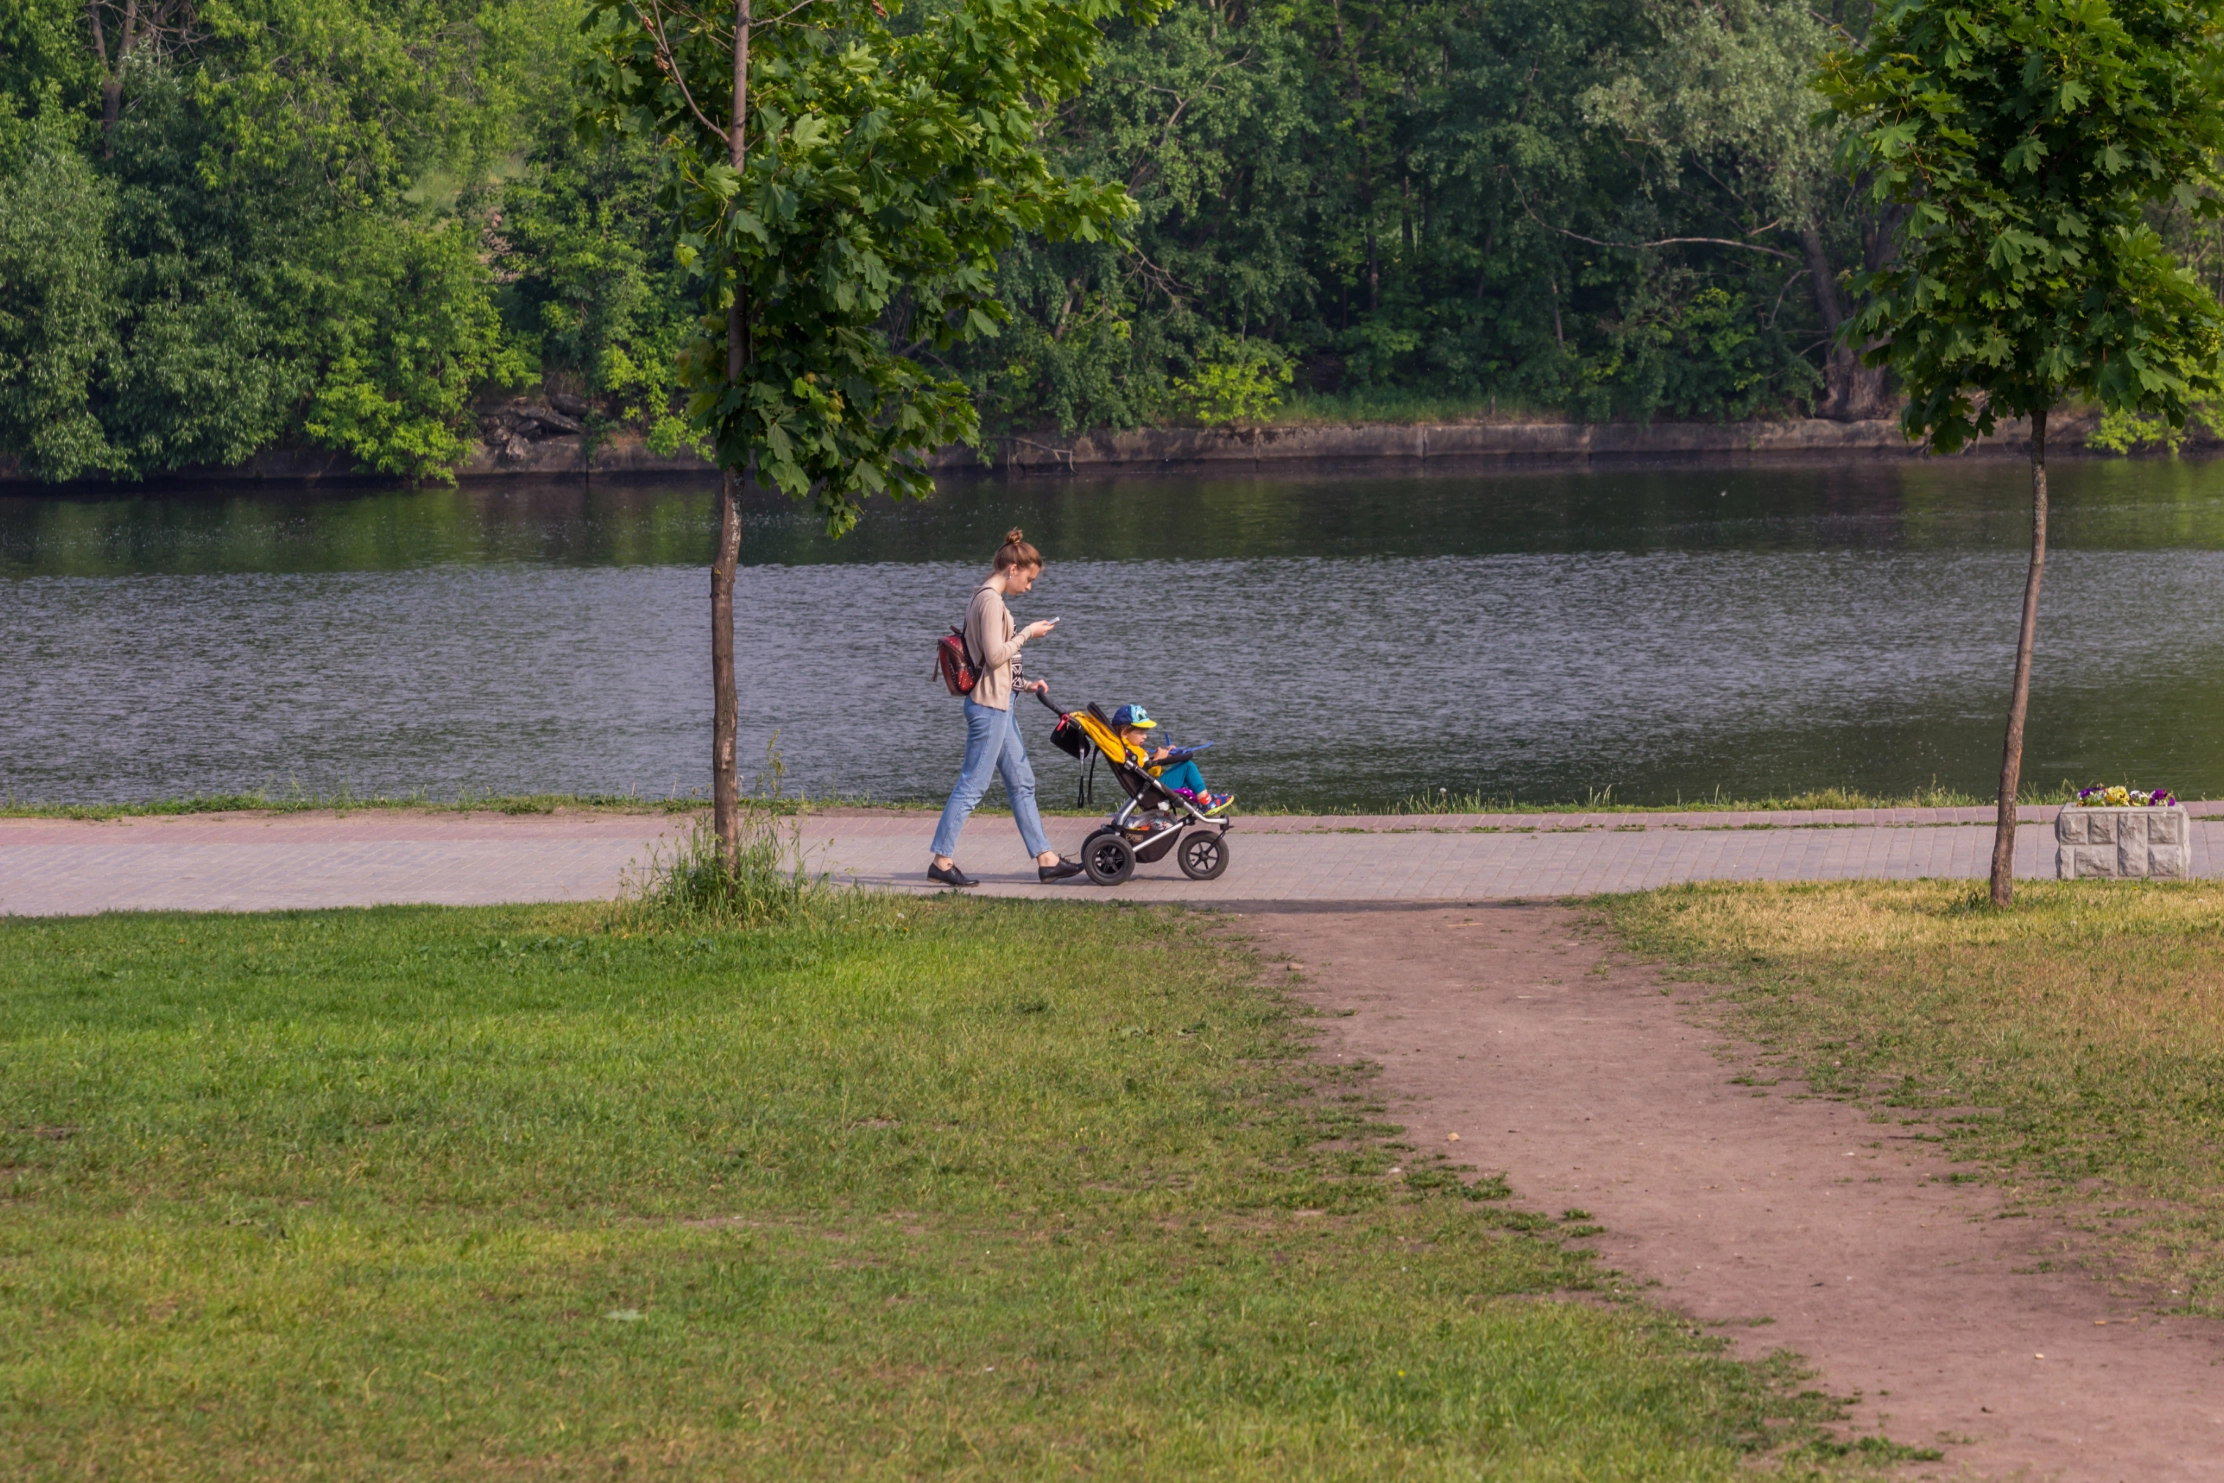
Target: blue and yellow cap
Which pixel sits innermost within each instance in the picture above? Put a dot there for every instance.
(1133, 715)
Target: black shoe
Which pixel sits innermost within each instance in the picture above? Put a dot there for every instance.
(953, 876)
(1058, 872)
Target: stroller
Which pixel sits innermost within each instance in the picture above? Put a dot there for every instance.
(1154, 820)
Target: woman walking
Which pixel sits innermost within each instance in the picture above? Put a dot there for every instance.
(992, 740)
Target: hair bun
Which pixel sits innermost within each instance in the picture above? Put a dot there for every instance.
(1016, 552)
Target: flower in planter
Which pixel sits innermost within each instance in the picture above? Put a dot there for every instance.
(2122, 797)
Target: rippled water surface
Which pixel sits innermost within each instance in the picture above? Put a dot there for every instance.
(1347, 640)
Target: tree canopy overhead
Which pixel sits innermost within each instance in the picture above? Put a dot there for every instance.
(848, 210)
(2025, 143)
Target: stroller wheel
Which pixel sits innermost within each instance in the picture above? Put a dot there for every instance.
(1108, 858)
(1202, 856)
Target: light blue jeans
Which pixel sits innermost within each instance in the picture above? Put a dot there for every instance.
(992, 745)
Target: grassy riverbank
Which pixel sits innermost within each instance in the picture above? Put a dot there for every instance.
(1442, 802)
(1603, 801)
(2070, 1049)
(896, 1189)
(301, 801)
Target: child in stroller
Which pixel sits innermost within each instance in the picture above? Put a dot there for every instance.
(1173, 766)
(1153, 820)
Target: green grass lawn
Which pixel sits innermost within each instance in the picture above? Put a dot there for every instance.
(2071, 1048)
(978, 1189)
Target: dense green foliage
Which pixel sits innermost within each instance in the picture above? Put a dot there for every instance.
(250, 223)
(260, 223)
(1608, 207)
(875, 1193)
(276, 223)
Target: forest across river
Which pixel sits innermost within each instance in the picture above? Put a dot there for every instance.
(358, 230)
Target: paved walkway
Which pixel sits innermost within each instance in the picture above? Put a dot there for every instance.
(251, 862)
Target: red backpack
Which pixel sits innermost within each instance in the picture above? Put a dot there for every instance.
(953, 661)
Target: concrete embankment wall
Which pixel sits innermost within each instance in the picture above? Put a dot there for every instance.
(1473, 442)
(1421, 443)
(1228, 449)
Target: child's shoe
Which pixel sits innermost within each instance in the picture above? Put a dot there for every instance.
(1215, 802)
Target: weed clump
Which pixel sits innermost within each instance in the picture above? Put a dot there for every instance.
(693, 886)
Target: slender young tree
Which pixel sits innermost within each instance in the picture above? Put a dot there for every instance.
(846, 185)
(2025, 140)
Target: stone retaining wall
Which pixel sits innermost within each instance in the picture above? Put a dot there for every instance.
(2123, 843)
(1268, 447)
(1251, 449)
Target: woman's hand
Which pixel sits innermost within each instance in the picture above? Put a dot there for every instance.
(1037, 629)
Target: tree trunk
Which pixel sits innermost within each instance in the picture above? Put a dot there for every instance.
(1851, 390)
(112, 69)
(725, 776)
(1857, 391)
(2019, 694)
(1840, 360)
(1822, 280)
(725, 724)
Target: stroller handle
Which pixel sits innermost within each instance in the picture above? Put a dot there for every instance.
(1043, 695)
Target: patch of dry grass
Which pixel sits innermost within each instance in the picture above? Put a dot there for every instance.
(2072, 1048)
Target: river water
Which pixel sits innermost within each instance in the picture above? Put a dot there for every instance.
(1346, 640)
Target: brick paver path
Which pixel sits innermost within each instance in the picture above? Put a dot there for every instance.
(261, 862)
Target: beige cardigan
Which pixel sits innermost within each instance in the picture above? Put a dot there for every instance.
(994, 642)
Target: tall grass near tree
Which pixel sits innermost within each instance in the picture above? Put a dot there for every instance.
(886, 1188)
(694, 884)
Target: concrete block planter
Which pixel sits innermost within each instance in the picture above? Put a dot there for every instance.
(2124, 843)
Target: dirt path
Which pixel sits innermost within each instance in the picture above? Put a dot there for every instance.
(1590, 1088)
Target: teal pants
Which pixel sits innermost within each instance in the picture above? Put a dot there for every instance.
(1183, 775)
